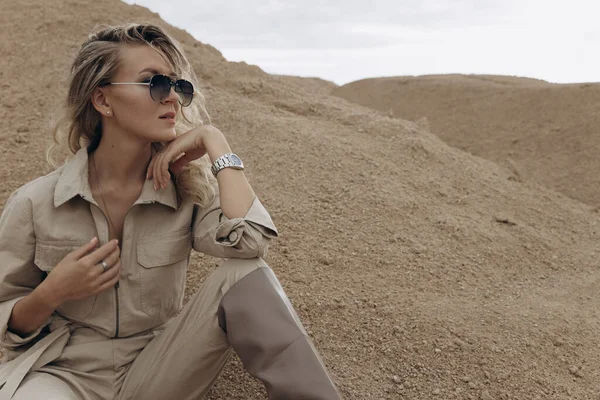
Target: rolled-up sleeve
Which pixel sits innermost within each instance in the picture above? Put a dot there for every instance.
(18, 274)
(219, 236)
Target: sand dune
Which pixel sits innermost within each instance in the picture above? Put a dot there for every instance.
(548, 133)
(420, 271)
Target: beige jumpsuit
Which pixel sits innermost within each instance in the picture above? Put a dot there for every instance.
(128, 342)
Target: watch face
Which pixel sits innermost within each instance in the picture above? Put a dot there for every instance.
(235, 160)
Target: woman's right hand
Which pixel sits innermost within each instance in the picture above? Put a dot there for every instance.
(80, 275)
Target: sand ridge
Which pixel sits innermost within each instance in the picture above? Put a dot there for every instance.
(420, 271)
(542, 132)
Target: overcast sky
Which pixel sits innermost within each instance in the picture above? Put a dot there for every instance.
(343, 41)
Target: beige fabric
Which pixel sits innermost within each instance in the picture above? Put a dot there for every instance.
(185, 360)
(92, 342)
(269, 338)
(39, 385)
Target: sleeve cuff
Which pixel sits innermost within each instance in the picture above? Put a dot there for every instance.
(230, 231)
(10, 339)
(260, 218)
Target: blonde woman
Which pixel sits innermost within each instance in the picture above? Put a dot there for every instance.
(93, 256)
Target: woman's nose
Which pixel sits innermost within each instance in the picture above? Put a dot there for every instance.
(173, 97)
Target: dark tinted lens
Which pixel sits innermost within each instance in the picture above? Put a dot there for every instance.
(185, 90)
(160, 86)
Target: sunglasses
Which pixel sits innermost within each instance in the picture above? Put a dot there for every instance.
(160, 87)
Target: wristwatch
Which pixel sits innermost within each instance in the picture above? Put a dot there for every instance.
(228, 160)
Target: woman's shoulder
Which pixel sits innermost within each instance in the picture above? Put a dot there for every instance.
(38, 188)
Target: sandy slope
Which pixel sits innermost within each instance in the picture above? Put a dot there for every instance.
(544, 132)
(420, 271)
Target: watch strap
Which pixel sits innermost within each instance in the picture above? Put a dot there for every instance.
(227, 160)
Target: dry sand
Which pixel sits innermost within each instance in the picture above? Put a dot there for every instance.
(542, 132)
(420, 271)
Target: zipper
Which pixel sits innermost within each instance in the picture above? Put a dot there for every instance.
(117, 313)
(116, 291)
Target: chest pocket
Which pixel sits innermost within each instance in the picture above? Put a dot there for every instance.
(47, 255)
(163, 262)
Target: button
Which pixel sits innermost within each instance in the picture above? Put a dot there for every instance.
(233, 236)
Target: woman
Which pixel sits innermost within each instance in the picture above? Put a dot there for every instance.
(102, 319)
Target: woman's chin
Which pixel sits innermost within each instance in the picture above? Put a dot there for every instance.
(165, 136)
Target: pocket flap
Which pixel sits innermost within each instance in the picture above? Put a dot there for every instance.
(48, 254)
(152, 253)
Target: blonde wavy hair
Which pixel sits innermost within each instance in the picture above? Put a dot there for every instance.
(98, 59)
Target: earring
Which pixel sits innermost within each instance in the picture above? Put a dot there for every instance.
(108, 112)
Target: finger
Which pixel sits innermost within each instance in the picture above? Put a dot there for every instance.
(86, 248)
(182, 154)
(110, 260)
(110, 274)
(157, 171)
(99, 254)
(165, 173)
(177, 165)
(99, 268)
(108, 284)
(163, 168)
(153, 164)
(149, 172)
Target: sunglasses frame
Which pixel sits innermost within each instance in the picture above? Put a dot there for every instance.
(172, 84)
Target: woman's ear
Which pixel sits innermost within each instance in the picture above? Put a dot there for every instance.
(100, 102)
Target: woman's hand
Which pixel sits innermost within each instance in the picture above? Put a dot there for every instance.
(186, 147)
(79, 274)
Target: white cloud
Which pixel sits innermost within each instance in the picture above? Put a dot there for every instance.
(345, 40)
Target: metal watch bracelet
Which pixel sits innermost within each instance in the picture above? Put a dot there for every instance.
(228, 160)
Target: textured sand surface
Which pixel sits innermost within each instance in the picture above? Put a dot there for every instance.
(542, 132)
(420, 271)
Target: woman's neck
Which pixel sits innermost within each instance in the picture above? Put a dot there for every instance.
(120, 165)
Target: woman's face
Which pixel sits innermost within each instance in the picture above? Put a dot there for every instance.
(132, 109)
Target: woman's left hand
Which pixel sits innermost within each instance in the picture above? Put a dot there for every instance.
(180, 151)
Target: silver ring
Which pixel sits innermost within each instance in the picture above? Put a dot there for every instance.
(104, 266)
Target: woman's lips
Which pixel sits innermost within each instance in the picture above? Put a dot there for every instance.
(169, 120)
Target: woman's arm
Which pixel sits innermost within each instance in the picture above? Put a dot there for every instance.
(235, 225)
(30, 312)
(236, 194)
(234, 189)
(19, 277)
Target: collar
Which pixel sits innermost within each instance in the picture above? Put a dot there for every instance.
(74, 181)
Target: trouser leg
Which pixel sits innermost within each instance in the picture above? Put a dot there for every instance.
(186, 358)
(43, 386)
(266, 333)
(243, 305)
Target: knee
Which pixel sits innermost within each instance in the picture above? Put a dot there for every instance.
(232, 270)
(242, 266)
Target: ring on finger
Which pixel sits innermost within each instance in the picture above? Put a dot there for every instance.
(104, 266)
